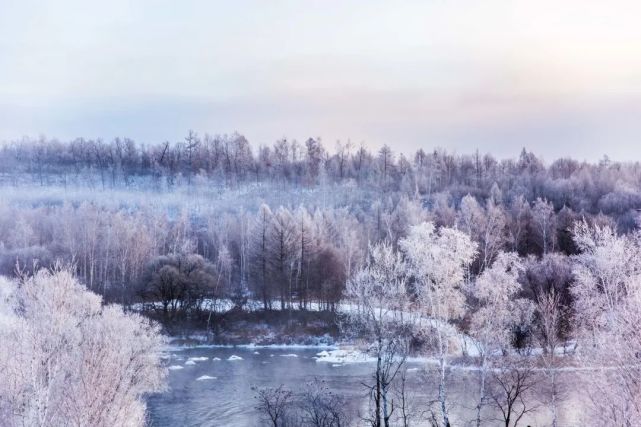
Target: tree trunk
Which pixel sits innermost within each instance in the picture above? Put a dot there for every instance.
(441, 387)
(377, 396)
(479, 407)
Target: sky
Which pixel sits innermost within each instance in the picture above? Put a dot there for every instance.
(560, 78)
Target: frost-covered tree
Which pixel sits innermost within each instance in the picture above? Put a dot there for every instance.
(544, 225)
(179, 282)
(607, 293)
(381, 313)
(500, 311)
(65, 359)
(486, 225)
(282, 245)
(437, 260)
(550, 315)
(471, 216)
(304, 251)
(519, 213)
(493, 234)
(259, 255)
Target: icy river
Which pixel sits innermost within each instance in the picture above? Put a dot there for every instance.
(213, 386)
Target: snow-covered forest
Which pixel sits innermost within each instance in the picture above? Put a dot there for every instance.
(524, 272)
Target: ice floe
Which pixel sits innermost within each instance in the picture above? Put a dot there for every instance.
(343, 357)
(198, 359)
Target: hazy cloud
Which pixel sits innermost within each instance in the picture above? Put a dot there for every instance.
(562, 78)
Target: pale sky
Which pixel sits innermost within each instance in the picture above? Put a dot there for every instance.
(561, 78)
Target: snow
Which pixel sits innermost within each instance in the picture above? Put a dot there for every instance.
(256, 352)
(346, 356)
(205, 377)
(289, 355)
(190, 362)
(233, 357)
(215, 359)
(198, 359)
(461, 343)
(175, 367)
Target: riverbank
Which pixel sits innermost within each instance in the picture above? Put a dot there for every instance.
(258, 328)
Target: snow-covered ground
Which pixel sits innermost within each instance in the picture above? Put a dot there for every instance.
(462, 345)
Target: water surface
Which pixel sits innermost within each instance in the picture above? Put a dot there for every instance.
(228, 400)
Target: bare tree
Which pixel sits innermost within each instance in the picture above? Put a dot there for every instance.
(407, 405)
(274, 403)
(320, 407)
(512, 394)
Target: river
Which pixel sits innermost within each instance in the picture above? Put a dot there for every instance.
(206, 388)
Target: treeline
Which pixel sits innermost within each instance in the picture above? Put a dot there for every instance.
(271, 244)
(608, 187)
(285, 258)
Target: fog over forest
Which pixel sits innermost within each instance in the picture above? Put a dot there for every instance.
(520, 277)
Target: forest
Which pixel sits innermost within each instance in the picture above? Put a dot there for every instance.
(527, 271)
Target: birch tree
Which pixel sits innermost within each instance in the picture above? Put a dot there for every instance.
(544, 224)
(379, 291)
(437, 260)
(550, 313)
(496, 291)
